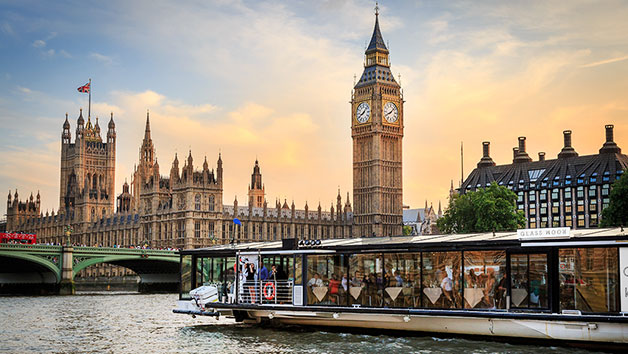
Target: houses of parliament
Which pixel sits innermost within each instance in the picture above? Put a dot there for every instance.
(185, 207)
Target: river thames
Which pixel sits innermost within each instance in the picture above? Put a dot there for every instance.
(138, 323)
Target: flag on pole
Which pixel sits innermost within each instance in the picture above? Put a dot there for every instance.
(84, 88)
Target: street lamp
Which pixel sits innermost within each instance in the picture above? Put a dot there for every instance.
(68, 232)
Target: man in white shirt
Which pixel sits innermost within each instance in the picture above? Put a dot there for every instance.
(316, 281)
(448, 286)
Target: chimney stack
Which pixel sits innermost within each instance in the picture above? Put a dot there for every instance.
(568, 150)
(486, 160)
(541, 156)
(515, 152)
(567, 138)
(522, 155)
(609, 133)
(610, 146)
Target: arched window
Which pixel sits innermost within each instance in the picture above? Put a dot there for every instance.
(197, 202)
(211, 203)
(93, 213)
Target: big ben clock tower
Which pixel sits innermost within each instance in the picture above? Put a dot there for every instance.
(377, 132)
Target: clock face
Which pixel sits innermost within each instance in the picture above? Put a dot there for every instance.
(363, 112)
(390, 112)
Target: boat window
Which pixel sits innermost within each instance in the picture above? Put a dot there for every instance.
(186, 277)
(365, 279)
(326, 275)
(528, 280)
(217, 272)
(402, 279)
(588, 279)
(485, 279)
(441, 280)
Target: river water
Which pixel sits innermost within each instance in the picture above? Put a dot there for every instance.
(138, 323)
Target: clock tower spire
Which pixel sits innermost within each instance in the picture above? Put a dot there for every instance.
(377, 133)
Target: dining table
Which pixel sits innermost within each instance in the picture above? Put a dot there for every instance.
(473, 296)
(518, 295)
(433, 294)
(355, 291)
(320, 292)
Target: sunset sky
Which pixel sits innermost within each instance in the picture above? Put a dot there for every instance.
(272, 80)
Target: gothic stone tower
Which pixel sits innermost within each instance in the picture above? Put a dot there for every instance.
(87, 170)
(377, 132)
(146, 168)
(256, 189)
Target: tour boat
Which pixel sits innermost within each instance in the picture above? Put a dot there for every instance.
(559, 285)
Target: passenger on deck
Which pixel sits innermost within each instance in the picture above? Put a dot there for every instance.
(263, 272)
(273, 272)
(250, 280)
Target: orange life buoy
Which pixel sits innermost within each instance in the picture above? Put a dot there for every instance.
(271, 295)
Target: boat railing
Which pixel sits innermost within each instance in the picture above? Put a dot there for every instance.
(275, 292)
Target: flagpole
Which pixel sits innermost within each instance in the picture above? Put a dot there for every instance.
(89, 108)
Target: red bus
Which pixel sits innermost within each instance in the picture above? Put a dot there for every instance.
(27, 239)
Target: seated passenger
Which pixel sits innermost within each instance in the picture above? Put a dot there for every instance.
(472, 279)
(344, 282)
(315, 282)
(398, 279)
(334, 287)
(357, 280)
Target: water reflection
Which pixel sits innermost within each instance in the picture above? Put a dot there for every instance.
(145, 324)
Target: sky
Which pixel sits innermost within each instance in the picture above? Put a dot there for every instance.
(272, 80)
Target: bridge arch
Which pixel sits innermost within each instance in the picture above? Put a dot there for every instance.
(156, 273)
(43, 263)
(131, 262)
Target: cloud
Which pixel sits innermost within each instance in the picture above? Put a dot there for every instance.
(65, 54)
(603, 62)
(7, 28)
(24, 90)
(39, 43)
(102, 58)
(251, 130)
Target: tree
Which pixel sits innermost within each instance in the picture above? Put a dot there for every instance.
(407, 230)
(616, 214)
(484, 210)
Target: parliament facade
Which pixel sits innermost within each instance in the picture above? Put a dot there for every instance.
(185, 208)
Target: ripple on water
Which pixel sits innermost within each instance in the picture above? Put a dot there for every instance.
(134, 323)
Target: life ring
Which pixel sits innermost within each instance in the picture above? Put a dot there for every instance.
(271, 295)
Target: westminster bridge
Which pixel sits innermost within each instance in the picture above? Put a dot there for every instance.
(51, 269)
